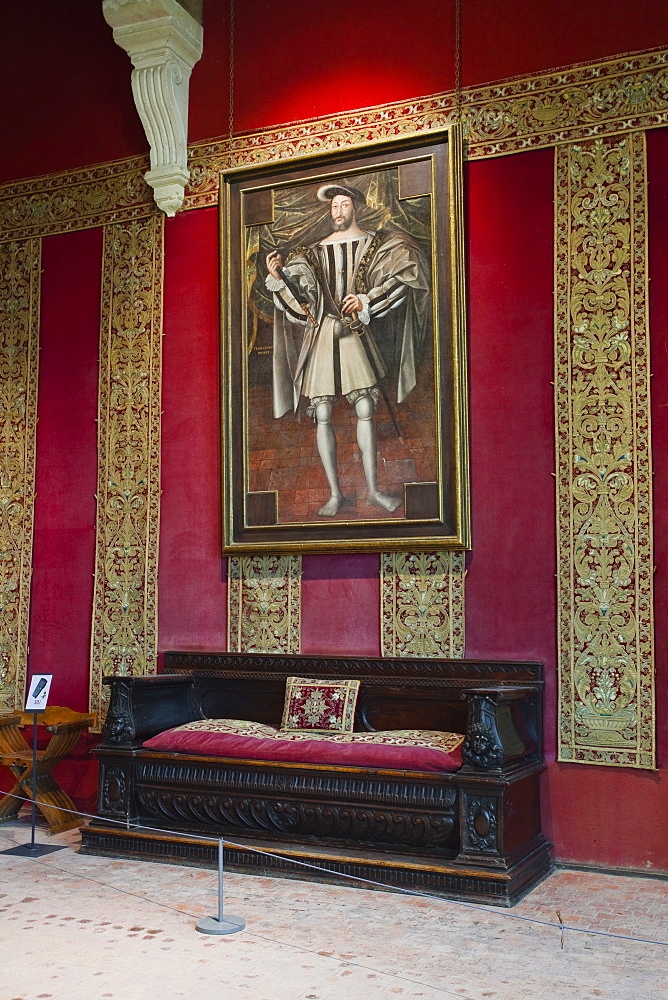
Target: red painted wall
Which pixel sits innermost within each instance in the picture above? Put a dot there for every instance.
(283, 74)
(293, 60)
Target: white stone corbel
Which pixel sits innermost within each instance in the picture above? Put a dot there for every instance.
(164, 41)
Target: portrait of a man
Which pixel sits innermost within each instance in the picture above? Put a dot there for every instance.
(345, 383)
(340, 365)
(331, 335)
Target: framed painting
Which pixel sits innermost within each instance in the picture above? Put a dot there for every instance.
(344, 350)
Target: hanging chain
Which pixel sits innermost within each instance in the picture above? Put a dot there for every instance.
(458, 61)
(232, 67)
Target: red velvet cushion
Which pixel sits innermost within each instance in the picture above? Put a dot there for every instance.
(402, 750)
(319, 706)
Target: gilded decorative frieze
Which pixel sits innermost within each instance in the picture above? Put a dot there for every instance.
(124, 639)
(577, 102)
(78, 199)
(19, 351)
(264, 604)
(604, 502)
(422, 604)
(528, 112)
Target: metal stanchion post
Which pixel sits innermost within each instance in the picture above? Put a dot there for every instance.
(34, 780)
(220, 924)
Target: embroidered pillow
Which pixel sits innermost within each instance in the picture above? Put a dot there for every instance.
(319, 706)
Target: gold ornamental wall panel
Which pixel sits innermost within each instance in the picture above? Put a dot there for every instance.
(422, 604)
(124, 628)
(264, 604)
(527, 112)
(604, 502)
(76, 199)
(19, 352)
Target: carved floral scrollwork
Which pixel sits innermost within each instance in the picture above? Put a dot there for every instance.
(19, 332)
(300, 818)
(124, 606)
(422, 604)
(604, 480)
(264, 606)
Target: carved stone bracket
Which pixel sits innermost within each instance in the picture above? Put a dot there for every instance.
(482, 748)
(164, 42)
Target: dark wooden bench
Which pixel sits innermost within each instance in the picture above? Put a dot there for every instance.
(474, 834)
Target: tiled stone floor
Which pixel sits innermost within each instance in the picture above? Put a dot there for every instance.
(87, 928)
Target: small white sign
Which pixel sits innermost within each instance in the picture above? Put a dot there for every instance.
(38, 692)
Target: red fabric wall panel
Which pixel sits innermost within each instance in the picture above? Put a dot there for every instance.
(66, 480)
(302, 60)
(192, 588)
(341, 605)
(510, 586)
(607, 816)
(292, 61)
(307, 59)
(69, 101)
(505, 38)
(510, 590)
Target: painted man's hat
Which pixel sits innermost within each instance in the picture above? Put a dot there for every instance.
(329, 191)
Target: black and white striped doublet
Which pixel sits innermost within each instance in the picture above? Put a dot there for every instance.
(339, 265)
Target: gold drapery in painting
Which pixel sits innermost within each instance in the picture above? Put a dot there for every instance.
(422, 604)
(604, 503)
(264, 603)
(19, 351)
(124, 628)
(530, 112)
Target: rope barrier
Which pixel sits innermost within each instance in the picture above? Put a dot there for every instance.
(560, 926)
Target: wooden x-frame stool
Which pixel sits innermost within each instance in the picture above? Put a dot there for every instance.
(65, 728)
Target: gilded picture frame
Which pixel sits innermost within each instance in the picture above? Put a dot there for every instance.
(344, 374)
